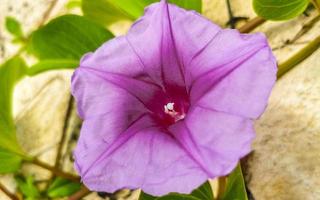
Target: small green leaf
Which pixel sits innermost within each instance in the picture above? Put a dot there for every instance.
(67, 37)
(235, 189)
(279, 10)
(109, 11)
(10, 73)
(62, 187)
(14, 27)
(204, 192)
(50, 64)
(27, 187)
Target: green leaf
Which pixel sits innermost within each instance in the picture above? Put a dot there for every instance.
(9, 162)
(109, 11)
(10, 151)
(189, 4)
(145, 196)
(67, 37)
(10, 73)
(175, 196)
(14, 27)
(62, 187)
(73, 4)
(204, 192)
(27, 187)
(50, 64)
(235, 189)
(279, 10)
(104, 11)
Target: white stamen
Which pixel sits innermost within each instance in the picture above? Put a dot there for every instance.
(169, 109)
(170, 106)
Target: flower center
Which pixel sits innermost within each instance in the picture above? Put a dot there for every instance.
(169, 106)
(175, 115)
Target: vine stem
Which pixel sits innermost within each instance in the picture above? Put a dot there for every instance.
(230, 14)
(8, 193)
(298, 57)
(305, 29)
(47, 13)
(251, 24)
(80, 194)
(64, 132)
(222, 182)
(55, 171)
(316, 4)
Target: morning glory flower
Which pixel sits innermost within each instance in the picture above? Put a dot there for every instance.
(170, 104)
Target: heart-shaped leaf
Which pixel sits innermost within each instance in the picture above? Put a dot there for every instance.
(9, 161)
(67, 37)
(204, 192)
(50, 64)
(279, 10)
(109, 11)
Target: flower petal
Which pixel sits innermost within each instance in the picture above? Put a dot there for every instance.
(148, 93)
(215, 140)
(191, 31)
(192, 34)
(97, 97)
(142, 157)
(114, 56)
(226, 46)
(116, 130)
(109, 104)
(226, 51)
(241, 87)
(107, 110)
(152, 39)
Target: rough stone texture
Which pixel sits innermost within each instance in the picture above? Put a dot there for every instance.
(41, 118)
(23, 11)
(217, 10)
(285, 159)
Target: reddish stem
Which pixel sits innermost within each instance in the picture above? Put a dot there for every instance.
(80, 194)
(8, 193)
(252, 24)
(56, 171)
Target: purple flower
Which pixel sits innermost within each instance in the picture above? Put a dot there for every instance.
(170, 104)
